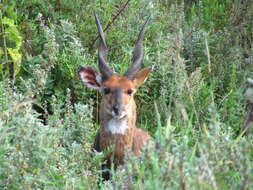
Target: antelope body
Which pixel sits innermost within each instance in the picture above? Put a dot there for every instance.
(118, 108)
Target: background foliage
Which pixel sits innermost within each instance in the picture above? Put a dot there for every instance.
(192, 104)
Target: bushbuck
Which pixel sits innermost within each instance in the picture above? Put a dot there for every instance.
(117, 109)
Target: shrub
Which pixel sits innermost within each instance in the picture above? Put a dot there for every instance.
(192, 104)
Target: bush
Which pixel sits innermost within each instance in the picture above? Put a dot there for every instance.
(192, 104)
(46, 156)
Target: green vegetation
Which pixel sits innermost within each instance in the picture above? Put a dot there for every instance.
(193, 103)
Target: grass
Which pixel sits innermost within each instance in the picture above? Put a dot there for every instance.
(193, 103)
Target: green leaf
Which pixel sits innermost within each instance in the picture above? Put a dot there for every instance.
(12, 31)
(1, 52)
(16, 58)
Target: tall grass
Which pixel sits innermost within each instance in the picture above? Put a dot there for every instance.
(192, 104)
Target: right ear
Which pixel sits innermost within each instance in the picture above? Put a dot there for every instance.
(90, 77)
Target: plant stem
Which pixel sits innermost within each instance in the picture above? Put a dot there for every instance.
(4, 41)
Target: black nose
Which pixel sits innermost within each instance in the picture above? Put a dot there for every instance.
(115, 108)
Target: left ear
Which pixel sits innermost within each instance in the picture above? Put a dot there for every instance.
(141, 76)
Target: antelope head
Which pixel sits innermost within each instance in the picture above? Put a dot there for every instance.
(117, 91)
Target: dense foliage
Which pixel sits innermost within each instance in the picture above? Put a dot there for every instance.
(193, 103)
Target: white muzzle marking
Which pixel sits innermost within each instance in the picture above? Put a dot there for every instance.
(118, 117)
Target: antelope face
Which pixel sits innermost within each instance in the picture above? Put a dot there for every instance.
(117, 91)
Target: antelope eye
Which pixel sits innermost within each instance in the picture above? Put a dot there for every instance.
(129, 92)
(107, 90)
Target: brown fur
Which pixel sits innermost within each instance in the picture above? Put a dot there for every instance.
(118, 109)
(117, 104)
(134, 138)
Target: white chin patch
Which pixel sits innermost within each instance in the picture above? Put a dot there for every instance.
(117, 126)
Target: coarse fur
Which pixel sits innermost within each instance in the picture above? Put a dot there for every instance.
(117, 109)
(117, 131)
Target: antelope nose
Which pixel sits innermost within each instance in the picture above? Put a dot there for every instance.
(115, 108)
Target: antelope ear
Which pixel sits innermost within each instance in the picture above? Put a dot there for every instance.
(90, 77)
(141, 76)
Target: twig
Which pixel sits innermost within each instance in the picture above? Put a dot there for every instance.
(110, 23)
(208, 55)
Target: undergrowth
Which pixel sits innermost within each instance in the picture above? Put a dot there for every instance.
(192, 104)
